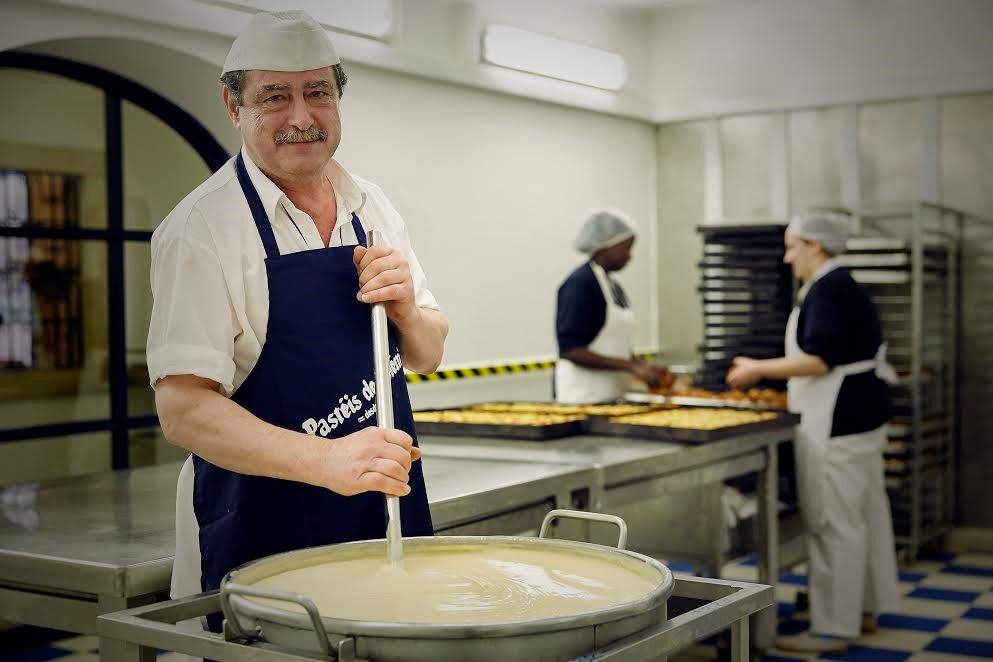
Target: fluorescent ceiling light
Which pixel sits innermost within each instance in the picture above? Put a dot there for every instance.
(535, 53)
(366, 18)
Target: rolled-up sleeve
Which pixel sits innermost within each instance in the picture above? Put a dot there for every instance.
(193, 326)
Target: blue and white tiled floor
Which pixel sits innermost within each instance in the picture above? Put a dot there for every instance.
(946, 614)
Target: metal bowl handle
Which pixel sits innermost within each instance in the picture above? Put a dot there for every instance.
(622, 537)
(230, 588)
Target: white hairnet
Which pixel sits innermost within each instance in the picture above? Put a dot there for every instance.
(281, 41)
(604, 228)
(829, 229)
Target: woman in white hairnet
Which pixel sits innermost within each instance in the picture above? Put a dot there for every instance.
(594, 322)
(838, 382)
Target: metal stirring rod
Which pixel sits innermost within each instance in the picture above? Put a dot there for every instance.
(384, 408)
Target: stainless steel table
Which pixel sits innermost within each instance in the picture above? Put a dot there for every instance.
(98, 544)
(632, 471)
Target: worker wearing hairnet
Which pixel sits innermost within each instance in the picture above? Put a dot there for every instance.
(838, 382)
(594, 322)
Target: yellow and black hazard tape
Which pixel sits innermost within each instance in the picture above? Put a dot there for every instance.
(491, 370)
(481, 371)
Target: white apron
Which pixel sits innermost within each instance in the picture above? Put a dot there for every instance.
(575, 384)
(852, 562)
(186, 565)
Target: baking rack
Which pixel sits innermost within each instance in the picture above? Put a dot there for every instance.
(747, 295)
(908, 260)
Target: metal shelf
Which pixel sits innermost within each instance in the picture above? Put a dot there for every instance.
(910, 267)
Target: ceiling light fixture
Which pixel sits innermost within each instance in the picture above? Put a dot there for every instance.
(513, 48)
(364, 18)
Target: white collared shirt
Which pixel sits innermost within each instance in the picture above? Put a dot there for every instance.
(210, 291)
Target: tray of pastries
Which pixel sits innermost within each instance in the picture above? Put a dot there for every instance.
(691, 424)
(608, 409)
(761, 399)
(506, 424)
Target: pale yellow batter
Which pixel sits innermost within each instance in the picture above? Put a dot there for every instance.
(471, 584)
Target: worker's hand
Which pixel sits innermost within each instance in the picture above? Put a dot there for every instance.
(744, 372)
(384, 277)
(652, 374)
(372, 459)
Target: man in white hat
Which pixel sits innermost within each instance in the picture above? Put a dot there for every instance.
(260, 344)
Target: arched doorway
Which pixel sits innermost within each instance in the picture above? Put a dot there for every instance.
(90, 162)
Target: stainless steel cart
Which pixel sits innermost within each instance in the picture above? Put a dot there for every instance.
(725, 604)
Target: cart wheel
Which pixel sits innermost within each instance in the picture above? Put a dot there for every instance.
(802, 601)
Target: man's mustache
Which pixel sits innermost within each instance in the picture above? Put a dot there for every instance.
(298, 136)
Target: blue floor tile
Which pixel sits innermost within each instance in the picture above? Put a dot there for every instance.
(750, 561)
(936, 556)
(954, 569)
(912, 577)
(785, 609)
(918, 623)
(867, 654)
(39, 654)
(794, 579)
(790, 627)
(943, 594)
(973, 647)
(679, 566)
(981, 613)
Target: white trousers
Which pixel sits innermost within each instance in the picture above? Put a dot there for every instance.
(852, 561)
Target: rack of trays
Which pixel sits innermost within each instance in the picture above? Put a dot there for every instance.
(747, 295)
(908, 261)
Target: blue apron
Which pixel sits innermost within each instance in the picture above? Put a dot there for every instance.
(315, 374)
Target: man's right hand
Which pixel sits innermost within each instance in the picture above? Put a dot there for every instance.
(372, 459)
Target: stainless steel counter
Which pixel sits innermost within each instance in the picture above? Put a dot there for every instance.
(81, 547)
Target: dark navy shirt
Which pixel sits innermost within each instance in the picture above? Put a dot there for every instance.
(581, 310)
(839, 323)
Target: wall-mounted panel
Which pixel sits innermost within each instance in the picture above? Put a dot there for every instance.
(891, 148)
(815, 158)
(747, 148)
(681, 154)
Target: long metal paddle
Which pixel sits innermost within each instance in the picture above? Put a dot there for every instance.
(384, 408)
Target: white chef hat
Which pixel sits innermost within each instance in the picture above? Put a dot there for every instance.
(604, 228)
(828, 228)
(281, 41)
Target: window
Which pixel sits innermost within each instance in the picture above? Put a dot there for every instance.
(81, 189)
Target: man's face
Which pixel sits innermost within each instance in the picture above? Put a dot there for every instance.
(289, 121)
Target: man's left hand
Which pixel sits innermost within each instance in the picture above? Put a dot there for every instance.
(384, 277)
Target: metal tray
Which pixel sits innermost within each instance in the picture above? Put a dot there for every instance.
(494, 406)
(684, 435)
(734, 271)
(528, 432)
(739, 285)
(735, 341)
(713, 403)
(740, 330)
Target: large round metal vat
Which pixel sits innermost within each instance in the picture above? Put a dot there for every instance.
(293, 620)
